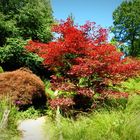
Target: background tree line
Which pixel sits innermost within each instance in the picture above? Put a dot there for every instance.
(126, 20)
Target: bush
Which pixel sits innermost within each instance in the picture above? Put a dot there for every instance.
(14, 56)
(69, 96)
(23, 87)
(130, 86)
(1, 69)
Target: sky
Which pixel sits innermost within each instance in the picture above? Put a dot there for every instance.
(99, 11)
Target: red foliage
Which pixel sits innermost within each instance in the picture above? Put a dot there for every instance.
(72, 40)
(63, 103)
(87, 92)
(84, 52)
(62, 84)
(86, 49)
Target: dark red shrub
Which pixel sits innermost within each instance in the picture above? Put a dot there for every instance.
(23, 88)
(83, 99)
(64, 103)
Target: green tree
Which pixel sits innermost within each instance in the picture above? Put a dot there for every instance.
(11, 7)
(34, 20)
(26, 18)
(127, 25)
(21, 20)
(7, 29)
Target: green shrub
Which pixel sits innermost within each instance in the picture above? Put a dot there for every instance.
(130, 86)
(31, 113)
(1, 70)
(14, 56)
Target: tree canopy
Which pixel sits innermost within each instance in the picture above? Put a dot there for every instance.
(127, 25)
(26, 19)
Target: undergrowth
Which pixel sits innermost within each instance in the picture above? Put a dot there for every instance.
(116, 120)
(117, 124)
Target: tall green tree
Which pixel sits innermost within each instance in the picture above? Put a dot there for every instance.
(21, 20)
(7, 29)
(11, 7)
(30, 19)
(126, 20)
(34, 20)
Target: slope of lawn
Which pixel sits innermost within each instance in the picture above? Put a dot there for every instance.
(105, 124)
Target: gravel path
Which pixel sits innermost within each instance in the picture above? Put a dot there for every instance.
(32, 129)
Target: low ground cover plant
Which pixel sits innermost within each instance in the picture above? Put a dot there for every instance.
(131, 86)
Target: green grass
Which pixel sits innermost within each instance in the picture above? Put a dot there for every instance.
(9, 131)
(121, 124)
(130, 86)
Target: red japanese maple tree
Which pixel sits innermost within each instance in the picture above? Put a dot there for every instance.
(83, 51)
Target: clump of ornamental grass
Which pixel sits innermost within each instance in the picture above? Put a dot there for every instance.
(8, 120)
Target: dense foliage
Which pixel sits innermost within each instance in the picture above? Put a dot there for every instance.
(34, 20)
(13, 56)
(26, 89)
(127, 25)
(26, 19)
(85, 72)
(7, 29)
(84, 63)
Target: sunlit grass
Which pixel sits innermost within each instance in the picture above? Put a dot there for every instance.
(100, 125)
(130, 86)
(8, 131)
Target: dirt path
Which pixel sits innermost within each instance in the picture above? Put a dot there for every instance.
(32, 129)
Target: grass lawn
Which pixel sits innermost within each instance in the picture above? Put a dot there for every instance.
(112, 124)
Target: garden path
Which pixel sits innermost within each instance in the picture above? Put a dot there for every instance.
(32, 129)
